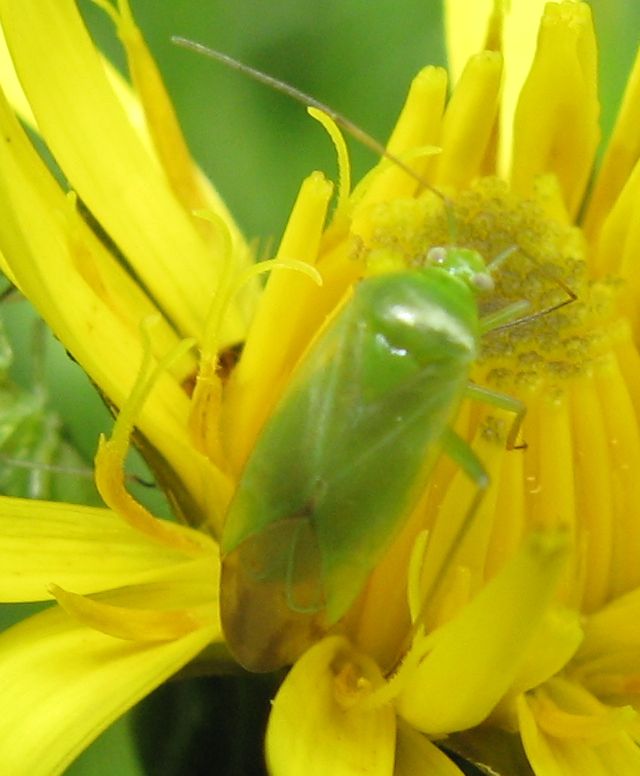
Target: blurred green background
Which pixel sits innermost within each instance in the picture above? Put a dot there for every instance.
(357, 56)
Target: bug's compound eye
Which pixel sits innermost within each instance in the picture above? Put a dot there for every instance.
(483, 281)
(437, 255)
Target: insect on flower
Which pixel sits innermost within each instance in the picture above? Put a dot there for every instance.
(351, 443)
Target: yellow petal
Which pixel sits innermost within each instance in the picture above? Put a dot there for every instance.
(162, 121)
(318, 724)
(520, 37)
(617, 406)
(418, 127)
(482, 650)
(589, 738)
(65, 683)
(88, 132)
(271, 349)
(81, 548)
(567, 710)
(417, 756)
(621, 156)
(540, 752)
(616, 243)
(612, 629)
(616, 247)
(130, 623)
(469, 121)
(466, 26)
(81, 289)
(556, 121)
(18, 100)
(596, 505)
(11, 85)
(556, 640)
(509, 27)
(185, 178)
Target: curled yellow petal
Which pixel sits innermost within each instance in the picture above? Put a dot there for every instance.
(318, 725)
(483, 648)
(126, 623)
(110, 482)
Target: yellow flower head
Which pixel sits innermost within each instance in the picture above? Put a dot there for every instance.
(514, 161)
(498, 622)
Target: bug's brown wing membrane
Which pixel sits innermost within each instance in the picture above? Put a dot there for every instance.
(262, 629)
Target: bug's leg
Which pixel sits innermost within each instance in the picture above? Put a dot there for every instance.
(504, 402)
(461, 453)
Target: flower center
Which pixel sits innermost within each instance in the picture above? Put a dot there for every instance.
(544, 264)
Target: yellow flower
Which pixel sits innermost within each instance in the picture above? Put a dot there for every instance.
(511, 637)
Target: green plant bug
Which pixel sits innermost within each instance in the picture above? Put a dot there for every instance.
(350, 445)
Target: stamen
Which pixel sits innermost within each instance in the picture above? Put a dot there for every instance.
(206, 400)
(344, 168)
(110, 458)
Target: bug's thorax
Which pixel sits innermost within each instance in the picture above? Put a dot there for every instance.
(422, 311)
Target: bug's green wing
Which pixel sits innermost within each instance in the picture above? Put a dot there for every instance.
(337, 466)
(272, 595)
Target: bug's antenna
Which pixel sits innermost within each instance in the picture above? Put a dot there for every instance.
(571, 298)
(497, 262)
(306, 99)
(70, 471)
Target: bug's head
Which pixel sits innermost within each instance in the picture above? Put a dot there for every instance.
(463, 263)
